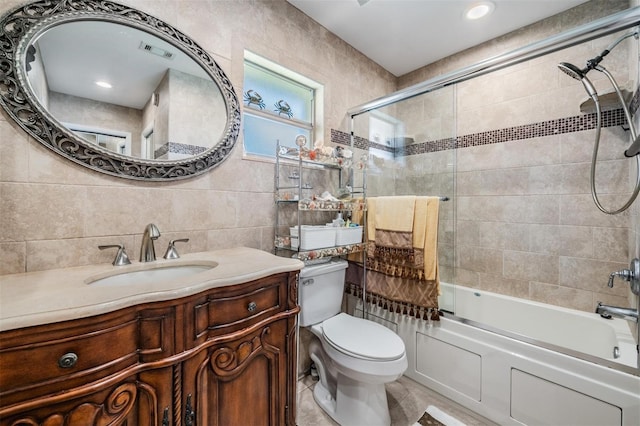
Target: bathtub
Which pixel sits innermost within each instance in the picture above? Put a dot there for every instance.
(517, 362)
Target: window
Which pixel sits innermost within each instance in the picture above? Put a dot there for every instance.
(279, 105)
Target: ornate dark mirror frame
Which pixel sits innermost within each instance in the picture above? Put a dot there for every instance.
(18, 28)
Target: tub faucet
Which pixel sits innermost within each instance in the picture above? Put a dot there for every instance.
(147, 251)
(608, 311)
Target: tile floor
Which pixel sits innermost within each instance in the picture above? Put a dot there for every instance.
(407, 401)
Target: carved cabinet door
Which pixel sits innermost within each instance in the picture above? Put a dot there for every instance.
(118, 404)
(239, 382)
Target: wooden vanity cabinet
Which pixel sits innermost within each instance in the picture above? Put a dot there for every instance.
(225, 356)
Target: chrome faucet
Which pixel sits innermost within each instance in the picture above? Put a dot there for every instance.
(632, 276)
(121, 258)
(147, 251)
(608, 311)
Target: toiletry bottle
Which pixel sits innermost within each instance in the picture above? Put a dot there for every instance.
(339, 221)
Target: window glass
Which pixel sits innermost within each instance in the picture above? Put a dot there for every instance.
(277, 108)
(274, 88)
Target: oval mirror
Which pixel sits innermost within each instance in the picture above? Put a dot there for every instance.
(116, 90)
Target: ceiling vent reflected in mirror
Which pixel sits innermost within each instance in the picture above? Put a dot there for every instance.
(156, 50)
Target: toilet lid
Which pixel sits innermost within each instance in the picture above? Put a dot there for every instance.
(362, 338)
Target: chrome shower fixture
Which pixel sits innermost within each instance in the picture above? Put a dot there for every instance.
(593, 63)
(580, 74)
(634, 149)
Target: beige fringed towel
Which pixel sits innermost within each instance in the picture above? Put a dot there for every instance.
(402, 255)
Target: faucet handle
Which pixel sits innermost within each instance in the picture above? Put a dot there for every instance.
(121, 256)
(171, 252)
(631, 275)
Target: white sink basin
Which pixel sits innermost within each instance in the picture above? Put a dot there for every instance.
(159, 273)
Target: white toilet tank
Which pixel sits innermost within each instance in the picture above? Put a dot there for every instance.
(320, 291)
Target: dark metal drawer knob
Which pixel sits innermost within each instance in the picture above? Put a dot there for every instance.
(68, 360)
(252, 306)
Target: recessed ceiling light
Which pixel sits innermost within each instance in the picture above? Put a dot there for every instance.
(479, 10)
(104, 84)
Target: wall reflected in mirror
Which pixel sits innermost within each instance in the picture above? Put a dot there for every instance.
(126, 90)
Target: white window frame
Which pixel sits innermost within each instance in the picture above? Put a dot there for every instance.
(317, 130)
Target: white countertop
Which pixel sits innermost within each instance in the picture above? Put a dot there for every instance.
(56, 295)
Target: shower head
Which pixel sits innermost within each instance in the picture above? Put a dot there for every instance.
(571, 70)
(580, 75)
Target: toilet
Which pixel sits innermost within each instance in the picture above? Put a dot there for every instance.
(354, 357)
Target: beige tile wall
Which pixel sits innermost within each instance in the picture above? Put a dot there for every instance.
(525, 222)
(54, 213)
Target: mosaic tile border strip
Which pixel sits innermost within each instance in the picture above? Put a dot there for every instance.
(610, 118)
(178, 148)
(343, 138)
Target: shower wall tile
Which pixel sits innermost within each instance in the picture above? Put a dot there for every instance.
(466, 277)
(562, 240)
(577, 147)
(559, 179)
(485, 260)
(467, 233)
(573, 178)
(505, 236)
(531, 266)
(611, 243)
(445, 255)
(579, 210)
(446, 230)
(561, 296)
(513, 181)
(510, 209)
(532, 152)
(529, 209)
(590, 274)
(497, 283)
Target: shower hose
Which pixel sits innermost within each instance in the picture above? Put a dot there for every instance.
(596, 145)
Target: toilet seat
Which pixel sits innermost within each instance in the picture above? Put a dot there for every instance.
(363, 339)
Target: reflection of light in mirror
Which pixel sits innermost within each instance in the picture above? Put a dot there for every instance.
(104, 84)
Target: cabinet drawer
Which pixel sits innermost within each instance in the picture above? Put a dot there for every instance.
(239, 307)
(54, 358)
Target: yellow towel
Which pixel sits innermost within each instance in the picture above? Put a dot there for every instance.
(371, 214)
(424, 225)
(394, 213)
(420, 222)
(431, 239)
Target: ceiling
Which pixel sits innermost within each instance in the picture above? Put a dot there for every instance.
(77, 54)
(404, 35)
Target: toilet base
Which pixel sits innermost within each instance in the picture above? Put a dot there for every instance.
(355, 403)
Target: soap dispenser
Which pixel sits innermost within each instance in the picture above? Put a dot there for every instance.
(338, 221)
